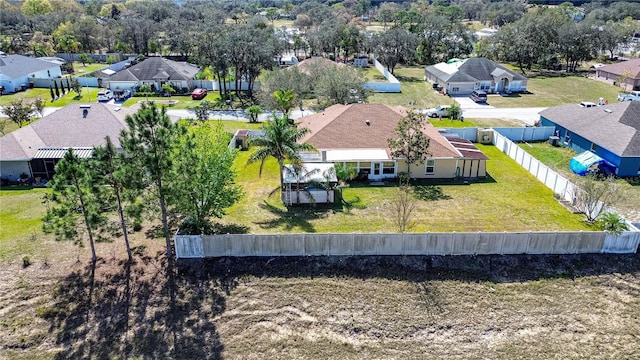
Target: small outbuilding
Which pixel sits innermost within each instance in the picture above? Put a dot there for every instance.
(309, 183)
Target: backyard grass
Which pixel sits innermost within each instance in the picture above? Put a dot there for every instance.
(21, 212)
(183, 101)
(558, 159)
(371, 74)
(81, 70)
(414, 89)
(510, 200)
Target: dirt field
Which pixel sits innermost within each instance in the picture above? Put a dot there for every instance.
(543, 307)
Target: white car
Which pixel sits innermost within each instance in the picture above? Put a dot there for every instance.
(105, 95)
(438, 111)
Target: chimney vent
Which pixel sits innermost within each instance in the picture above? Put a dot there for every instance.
(367, 122)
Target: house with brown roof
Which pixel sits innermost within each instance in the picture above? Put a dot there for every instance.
(35, 149)
(357, 135)
(626, 72)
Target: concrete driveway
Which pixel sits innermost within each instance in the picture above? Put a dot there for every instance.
(466, 103)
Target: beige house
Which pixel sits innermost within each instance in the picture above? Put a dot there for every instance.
(356, 135)
(627, 72)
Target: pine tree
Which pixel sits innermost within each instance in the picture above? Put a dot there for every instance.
(152, 141)
(57, 89)
(76, 198)
(111, 170)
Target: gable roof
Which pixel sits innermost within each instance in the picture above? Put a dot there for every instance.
(345, 127)
(615, 127)
(64, 128)
(14, 66)
(157, 68)
(471, 70)
(619, 68)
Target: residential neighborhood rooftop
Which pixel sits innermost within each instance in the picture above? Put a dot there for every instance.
(615, 127)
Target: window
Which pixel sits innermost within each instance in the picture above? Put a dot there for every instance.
(431, 167)
(455, 89)
(594, 147)
(388, 167)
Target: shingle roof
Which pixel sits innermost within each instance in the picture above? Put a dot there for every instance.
(619, 68)
(14, 66)
(615, 127)
(66, 128)
(345, 127)
(472, 70)
(156, 68)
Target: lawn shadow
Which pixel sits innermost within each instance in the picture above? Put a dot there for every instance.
(128, 314)
(408, 78)
(287, 219)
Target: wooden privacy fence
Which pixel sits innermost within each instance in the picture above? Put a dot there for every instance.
(310, 244)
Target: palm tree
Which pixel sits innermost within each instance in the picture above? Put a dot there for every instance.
(280, 140)
(285, 100)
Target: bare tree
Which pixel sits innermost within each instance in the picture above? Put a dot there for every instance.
(595, 195)
(403, 203)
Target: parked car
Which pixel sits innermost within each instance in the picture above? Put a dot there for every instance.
(198, 93)
(478, 96)
(105, 95)
(588, 104)
(438, 111)
(120, 95)
(632, 96)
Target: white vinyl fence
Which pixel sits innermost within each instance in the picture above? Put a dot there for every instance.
(392, 85)
(554, 181)
(309, 244)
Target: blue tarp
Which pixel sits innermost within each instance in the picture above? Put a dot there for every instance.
(581, 164)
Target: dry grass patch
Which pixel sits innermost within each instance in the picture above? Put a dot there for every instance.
(472, 307)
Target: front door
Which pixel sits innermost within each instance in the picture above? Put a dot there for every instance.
(377, 170)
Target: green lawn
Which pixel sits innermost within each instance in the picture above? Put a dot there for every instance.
(558, 159)
(81, 70)
(553, 91)
(414, 90)
(88, 95)
(510, 200)
(21, 212)
(183, 101)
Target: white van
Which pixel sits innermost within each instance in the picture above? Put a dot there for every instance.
(105, 95)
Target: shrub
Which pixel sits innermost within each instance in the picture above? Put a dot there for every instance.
(26, 261)
(611, 222)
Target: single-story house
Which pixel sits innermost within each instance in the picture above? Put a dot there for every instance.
(462, 76)
(34, 150)
(356, 135)
(627, 72)
(611, 131)
(17, 70)
(154, 71)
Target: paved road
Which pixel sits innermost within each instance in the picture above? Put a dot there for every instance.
(237, 115)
